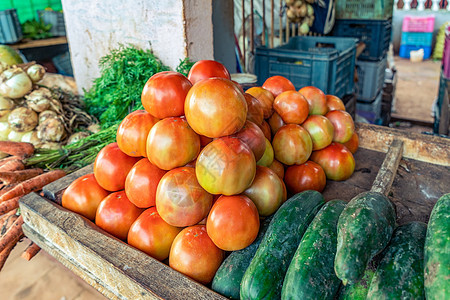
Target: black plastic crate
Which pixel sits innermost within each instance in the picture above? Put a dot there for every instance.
(376, 34)
(327, 63)
(350, 104)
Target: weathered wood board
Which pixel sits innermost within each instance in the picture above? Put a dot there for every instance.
(122, 272)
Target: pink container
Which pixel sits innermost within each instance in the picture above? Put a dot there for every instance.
(446, 55)
(418, 24)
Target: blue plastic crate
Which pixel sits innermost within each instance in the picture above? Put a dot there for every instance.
(327, 63)
(376, 34)
(371, 111)
(370, 79)
(417, 38)
(10, 30)
(406, 49)
(63, 64)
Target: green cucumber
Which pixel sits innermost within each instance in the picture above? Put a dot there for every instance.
(311, 274)
(364, 230)
(437, 251)
(264, 277)
(357, 291)
(227, 280)
(399, 274)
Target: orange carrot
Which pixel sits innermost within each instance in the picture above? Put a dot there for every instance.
(4, 219)
(9, 205)
(5, 253)
(31, 251)
(19, 176)
(6, 159)
(12, 165)
(32, 185)
(23, 150)
(12, 233)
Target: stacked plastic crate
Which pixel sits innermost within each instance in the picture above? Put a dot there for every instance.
(371, 22)
(417, 33)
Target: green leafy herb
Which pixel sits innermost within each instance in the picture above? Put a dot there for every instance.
(185, 66)
(117, 91)
(36, 30)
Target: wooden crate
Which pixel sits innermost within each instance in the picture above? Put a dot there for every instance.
(121, 272)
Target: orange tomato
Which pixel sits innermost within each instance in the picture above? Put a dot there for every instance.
(278, 84)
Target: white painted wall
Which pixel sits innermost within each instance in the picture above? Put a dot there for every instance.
(95, 27)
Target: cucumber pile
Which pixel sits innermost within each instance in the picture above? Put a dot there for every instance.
(338, 250)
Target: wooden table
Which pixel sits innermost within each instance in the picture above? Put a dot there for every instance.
(122, 272)
(61, 40)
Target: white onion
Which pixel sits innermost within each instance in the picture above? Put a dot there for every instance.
(310, 10)
(31, 137)
(4, 131)
(77, 136)
(51, 130)
(15, 136)
(49, 145)
(36, 72)
(94, 128)
(15, 83)
(6, 105)
(46, 114)
(39, 100)
(22, 119)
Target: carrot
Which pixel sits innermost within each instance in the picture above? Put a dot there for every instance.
(7, 250)
(8, 224)
(4, 218)
(6, 159)
(12, 165)
(19, 176)
(23, 150)
(9, 205)
(31, 251)
(12, 233)
(32, 185)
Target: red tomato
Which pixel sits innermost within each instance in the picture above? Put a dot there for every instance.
(233, 222)
(111, 167)
(266, 191)
(141, 183)
(292, 145)
(255, 112)
(307, 176)
(334, 103)
(264, 97)
(278, 168)
(164, 93)
(353, 143)
(343, 125)
(225, 166)
(215, 107)
(253, 136)
(320, 129)
(133, 131)
(316, 99)
(278, 84)
(265, 127)
(180, 199)
(172, 143)
(116, 213)
(152, 235)
(83, 196)
(239, 86)
(275, 122)
(267, 158)
(292, 107)
(336, 160)
(204, 69)
(194, 254)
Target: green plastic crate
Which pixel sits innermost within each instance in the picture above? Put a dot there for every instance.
(364, 9)
(27, 9)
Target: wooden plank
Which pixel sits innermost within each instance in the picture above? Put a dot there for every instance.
(122, 270)
(421, 147)
(388, 170)
(41, 43)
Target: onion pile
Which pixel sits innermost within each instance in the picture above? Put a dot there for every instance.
(301, 12)
(35, 114)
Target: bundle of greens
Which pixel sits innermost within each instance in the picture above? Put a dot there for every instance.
(36, 29)
(117, 91)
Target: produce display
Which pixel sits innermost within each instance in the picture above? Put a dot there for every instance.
(224, 186)
(302, 12)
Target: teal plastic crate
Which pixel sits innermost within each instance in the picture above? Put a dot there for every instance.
(327, 63)
(364, 9)
(10, 30)
(417, 38)
(370, 79)
(26, 9)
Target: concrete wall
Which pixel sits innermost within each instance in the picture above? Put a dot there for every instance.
(174, 29)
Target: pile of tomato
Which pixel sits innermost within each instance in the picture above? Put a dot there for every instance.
(191, 175)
